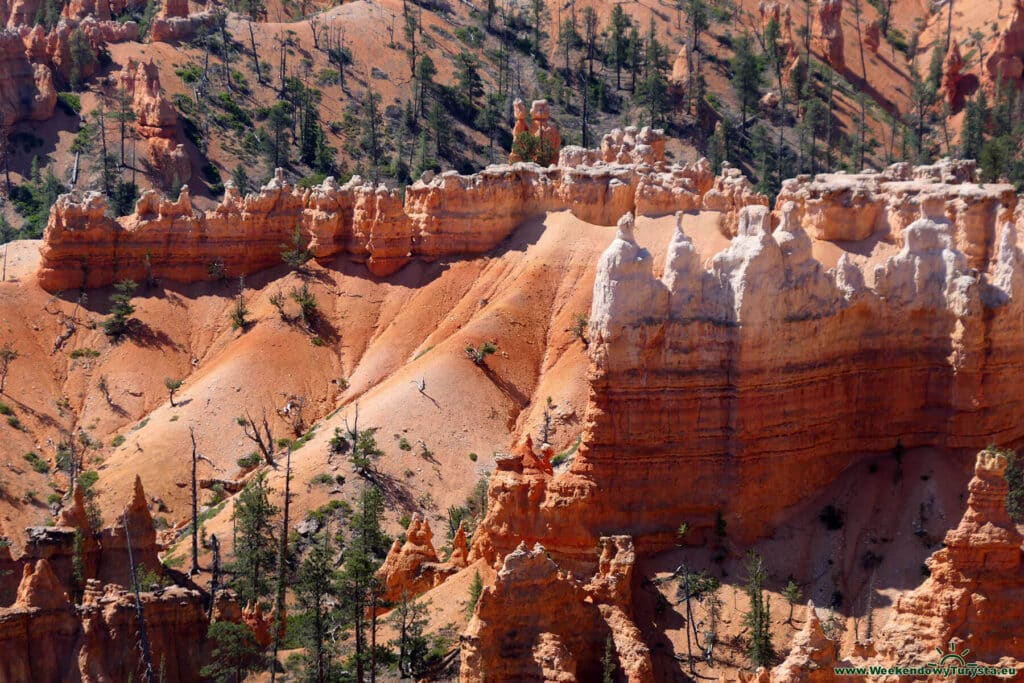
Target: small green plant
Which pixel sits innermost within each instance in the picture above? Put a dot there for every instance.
(405, 520)
(478, 355)
(308, 307)
(472, 457)
(239, 311)
(30, 496)
(85, 353)
(70, 102)
(322, 479)
(317, 341)
(172, 386)
(5, 409)
(53, 499)
(580, 321)
(296, 255)
(403, 443)
(248, 462)
(37, 463)
(117, 440)
(476, 588)
(277, 300)
(14, 422)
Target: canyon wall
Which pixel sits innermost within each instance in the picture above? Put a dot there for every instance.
(719, 379)
(446, 215)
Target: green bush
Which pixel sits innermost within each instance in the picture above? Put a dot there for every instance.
(85, 353)
(250, 461)
(70, 102)
(472, 457)
(117, 440)
(37, 463)
(5, 409)
(322, 479)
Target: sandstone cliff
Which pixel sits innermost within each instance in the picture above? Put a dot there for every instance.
(711, 340)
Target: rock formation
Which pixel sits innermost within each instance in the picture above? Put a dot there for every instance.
(508, 638)
(1005, 60)
(951, 67)
(102, 553)
(46, 638)
(975, 591)
(156, 120)
(540, 126)
(873, 36)
(850, 207)
(703, 334)
(828, 32)
(412, 568)
(443, 215)
(27, 90)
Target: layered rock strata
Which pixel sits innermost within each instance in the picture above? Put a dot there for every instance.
(763, 362)
(442, 216)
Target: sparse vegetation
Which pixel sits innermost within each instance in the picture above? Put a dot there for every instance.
(37, 463)
(7, 356)
(479, 354)
(172, 386)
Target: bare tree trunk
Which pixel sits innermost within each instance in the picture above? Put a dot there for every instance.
(255, 55)
(147, 658)
(282, 559)
(195, 506)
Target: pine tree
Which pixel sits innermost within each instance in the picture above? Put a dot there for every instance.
(972, 135)
(409, 619)
(121, 309)
(746, 76)
(425, 72)
(236, 652)
(317, 584)
(467, 74)
(83, 59)
(255, 548)
(371, 141)
(360, 587)
(758, 618)
(618, 44)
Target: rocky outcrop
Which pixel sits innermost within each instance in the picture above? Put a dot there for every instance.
(1005, 60)
(975, 592)
(46, 638)
(710, 411)
(156, 120)
(873, 36)
(827, 39)
(413, 567)
(508, 638)
(101, 553)
(27, 90)
(443, 216)
(539, 125)
(811, 657)
(851, 207)
(175, 29)
(952, 65)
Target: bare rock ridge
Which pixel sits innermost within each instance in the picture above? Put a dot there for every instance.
(973, 598)
(444, 215)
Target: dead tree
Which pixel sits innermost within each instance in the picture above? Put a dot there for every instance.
(264, 439)
(147, 657)
(255, 55)
(281, 562)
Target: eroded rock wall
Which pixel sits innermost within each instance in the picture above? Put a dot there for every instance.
(444, 215)
(713, 383)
